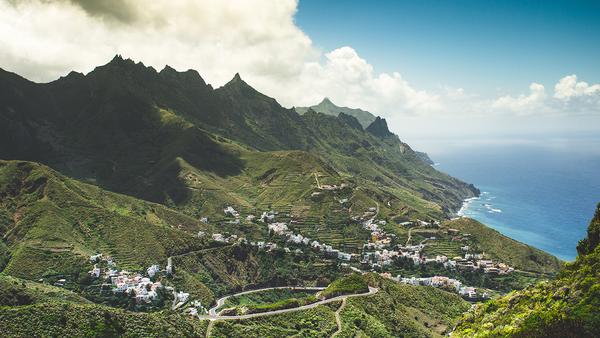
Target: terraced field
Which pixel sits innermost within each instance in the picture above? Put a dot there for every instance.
(443, 247)
(338, 233)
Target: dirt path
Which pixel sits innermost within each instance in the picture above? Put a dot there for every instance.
(338, 319)
(209, 328)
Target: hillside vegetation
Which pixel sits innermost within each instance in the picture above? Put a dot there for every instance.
(499, 247)
(397, 310)
(351, 284)
(568, 306)
(52, 224)
(90, 320)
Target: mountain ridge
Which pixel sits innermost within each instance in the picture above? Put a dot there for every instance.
(151, 118)
(327, 107)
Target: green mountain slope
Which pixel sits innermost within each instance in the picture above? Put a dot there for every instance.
(568, 306)
(133, 130)
(90, 320)
(504, 249)
(15, 292)
(50, 225)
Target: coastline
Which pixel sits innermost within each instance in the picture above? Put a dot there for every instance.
(465, 206)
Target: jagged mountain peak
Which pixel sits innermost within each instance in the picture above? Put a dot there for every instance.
(237, 81)
(124, 66)
(326, 101)
(241, 87)
(168, 69)
(119, 60)
(188, 77)
(379, 128)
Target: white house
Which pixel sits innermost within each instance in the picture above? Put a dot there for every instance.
(231, 211)
(182, 297)
(95, 272)
(152, 270)
(95, 258)
(344, 256)
(169, 267)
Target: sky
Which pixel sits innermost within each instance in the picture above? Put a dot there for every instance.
(436, 70)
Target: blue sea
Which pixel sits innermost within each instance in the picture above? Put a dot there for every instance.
(540, 193)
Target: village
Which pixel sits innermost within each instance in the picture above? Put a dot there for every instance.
(381, 252)
(144, 288)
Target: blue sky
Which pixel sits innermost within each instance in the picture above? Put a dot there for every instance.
(484, 46)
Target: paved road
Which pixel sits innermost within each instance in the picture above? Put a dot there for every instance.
(214, 316)
(213, 311)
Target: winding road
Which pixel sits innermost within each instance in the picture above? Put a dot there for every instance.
(213, 310)
(212, 315)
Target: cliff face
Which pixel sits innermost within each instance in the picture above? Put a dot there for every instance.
(566, 307)
(379, 128)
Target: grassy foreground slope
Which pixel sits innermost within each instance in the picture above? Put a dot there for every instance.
(400, 310)
(396, 310)
(566, 307)
(504, 249)
(90, 320)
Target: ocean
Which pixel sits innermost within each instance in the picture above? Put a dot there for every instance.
(535, 192)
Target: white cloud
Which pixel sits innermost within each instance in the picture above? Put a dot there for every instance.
(568, 87)
(43, 39)
(531, 103)
(570, 97)
(46, 39)
(348, 79)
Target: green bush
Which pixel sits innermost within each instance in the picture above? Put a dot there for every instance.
(351, 284)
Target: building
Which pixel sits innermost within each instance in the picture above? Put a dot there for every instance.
(95, 258)
(169, 267)
(218, 238)
(231, 211)
(153, 270)
(95, 272)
